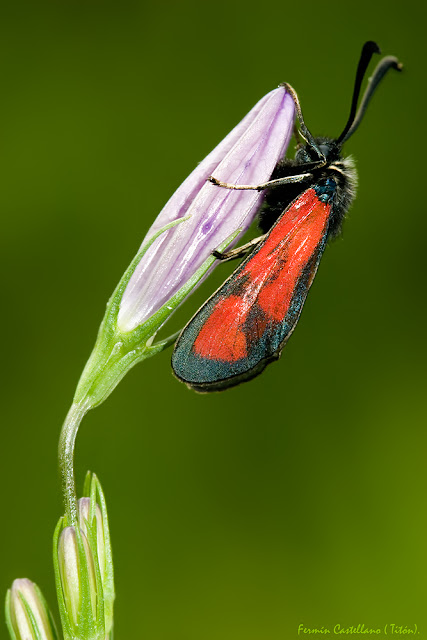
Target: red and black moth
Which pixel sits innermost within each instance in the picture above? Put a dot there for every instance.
(246, 323)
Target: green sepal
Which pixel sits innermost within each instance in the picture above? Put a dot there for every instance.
(91, 527)
(93, 490)
(87, 485)
(91, 626)
(115, 353)
(157, 347)
(107, 337)
(47, 610)
(8, 618)
(33, 622)
(66, 627)
(109, 592)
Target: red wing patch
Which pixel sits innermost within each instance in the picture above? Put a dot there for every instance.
(268, 278)
(245, 324)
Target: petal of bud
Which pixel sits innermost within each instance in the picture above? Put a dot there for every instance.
(247, 155)
(27, 614)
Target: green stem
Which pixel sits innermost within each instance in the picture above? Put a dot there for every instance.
(113, 356)
(66, 458)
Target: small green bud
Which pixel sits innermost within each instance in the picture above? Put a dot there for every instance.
(27, 614)
(76, 566)
(84, 569)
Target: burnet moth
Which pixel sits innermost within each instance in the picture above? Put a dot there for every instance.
(246, 323)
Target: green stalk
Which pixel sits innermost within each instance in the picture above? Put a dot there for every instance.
(66, 458)
(114, 354)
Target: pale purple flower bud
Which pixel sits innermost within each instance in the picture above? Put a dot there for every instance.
(27, 614)
(247, 155)
(177, 252)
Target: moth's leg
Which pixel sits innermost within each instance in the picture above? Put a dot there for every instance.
(266, 185)
(238, 252)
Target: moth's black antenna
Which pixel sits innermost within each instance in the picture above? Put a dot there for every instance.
(303, 131)
(368, 50)
(389, 62)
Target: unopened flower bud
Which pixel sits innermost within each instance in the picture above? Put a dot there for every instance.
(93, 520)
(176, 254)
(247, 155)
(84, 569)
(27, 614)
(78, 580)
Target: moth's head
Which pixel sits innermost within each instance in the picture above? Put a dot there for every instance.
(328, 147)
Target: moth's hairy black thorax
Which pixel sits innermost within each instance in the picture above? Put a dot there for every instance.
(341, 170)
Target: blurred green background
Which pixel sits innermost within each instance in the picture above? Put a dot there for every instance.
(299, 497)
